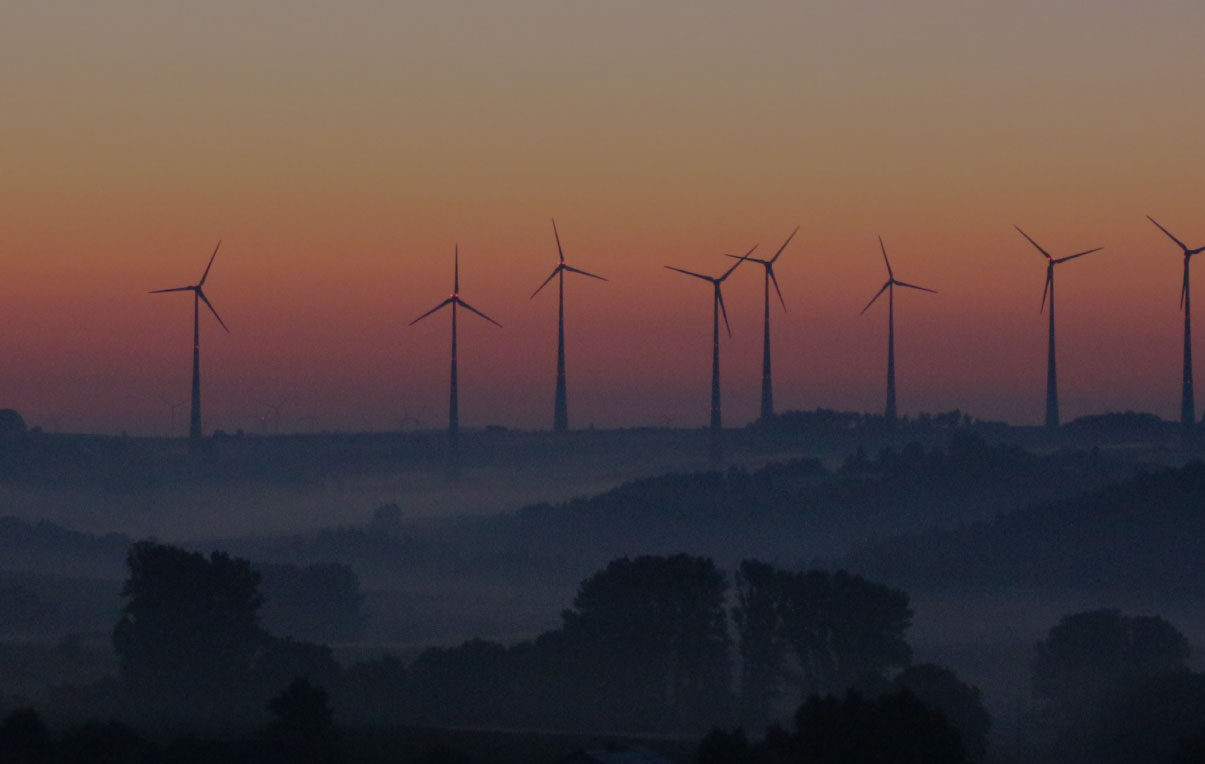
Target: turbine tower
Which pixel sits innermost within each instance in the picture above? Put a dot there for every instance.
(1052, 380)
(453, 399)
(560, 414)
(1188, 415)
(198, 297)
(717, 307)
(767, 386)
(889, 287)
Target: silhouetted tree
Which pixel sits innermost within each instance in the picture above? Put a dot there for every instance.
(189, 628)
(1148, 721)
(894, 729)
(466, 684)
(658, 628)
(109, 742)
(724, 747)
(24, 738)
(302, 730)
(940, 689)
(1086, 654)
(1090, 659)
(843, 629)
(283, 660)
(758, 616)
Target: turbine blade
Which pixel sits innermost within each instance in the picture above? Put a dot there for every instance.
(691, 273)
(555, 271)
(890, 273)
(456, 272)
(742, 259)
(1169, 233)
(464, 304)
(719, 296)
(205, 275)
(1077, 254)
(173, 289)
(209, 305)
(750, 259)
(770, 272)
(1031, 241)
(571, 269)
(876, 296)
(784, 244)
(914, 286)
(1046, 287)
(558, 241)
(437, 307)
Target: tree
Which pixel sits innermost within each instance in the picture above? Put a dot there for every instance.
(940, 689)
(1089, 660)
(894, 729)
(758, 618)
(302, 730)
(657, 626)
(1085, 656)
(24, 738)
(843, 629)
(189, 628)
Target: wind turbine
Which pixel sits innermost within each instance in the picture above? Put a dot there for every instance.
(198, 297)
(1188, 414)
(173, 407)
(560, 416)
(453, 405)
(276, 407)
(767, 386)
(889, 288)
(717, 307)
(1052, 380)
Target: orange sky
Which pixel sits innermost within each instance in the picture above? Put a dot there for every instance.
(341, 152)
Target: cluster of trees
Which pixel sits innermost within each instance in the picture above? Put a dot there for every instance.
(649, 644)
(300, 732)
(1116, 689)
(646, 646)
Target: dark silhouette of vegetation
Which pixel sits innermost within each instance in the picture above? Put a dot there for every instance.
(940, 688)
(24, 738)
(1090, 660)
(893, 729)
(656, 626)
(189, 630)
(838, 630)
(302, 730)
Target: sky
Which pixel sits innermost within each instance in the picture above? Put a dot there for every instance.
(341, 151)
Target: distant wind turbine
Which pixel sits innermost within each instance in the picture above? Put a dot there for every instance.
(172, 406)
(1188, 414)
(194, 416)
(276, 407)
(889, 287)
(560, 416)
(453, 404)
(717, 308)
(767, 385)
(1052, 380)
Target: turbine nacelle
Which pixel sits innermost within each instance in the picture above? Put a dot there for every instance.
(1053, 261)
(717, 280)
(892, 281)
(562, 266)
(197, 290)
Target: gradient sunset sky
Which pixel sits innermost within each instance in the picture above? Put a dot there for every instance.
(340, 151)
